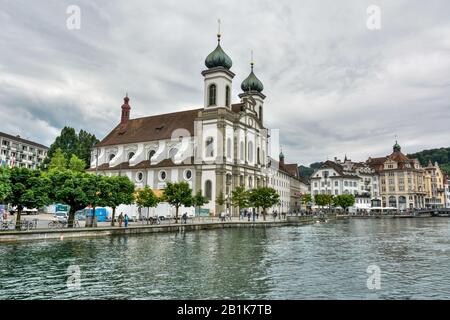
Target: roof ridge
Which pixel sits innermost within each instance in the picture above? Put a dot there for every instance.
(166, 114)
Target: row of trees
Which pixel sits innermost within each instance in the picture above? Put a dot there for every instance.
(263, 197)
(26, 188)
(327, 200)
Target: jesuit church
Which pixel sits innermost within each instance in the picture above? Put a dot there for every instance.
(213, 148)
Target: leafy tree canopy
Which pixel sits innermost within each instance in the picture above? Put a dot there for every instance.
(344, 201)
(240, 197)
(72, 143)
(5, 184)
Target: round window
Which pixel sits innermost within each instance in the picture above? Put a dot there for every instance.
(187, 174)
(162, 175)
(139, 177)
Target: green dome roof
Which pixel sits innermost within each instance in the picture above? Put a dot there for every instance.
(397, 147)
(252, 83)
(218, 58)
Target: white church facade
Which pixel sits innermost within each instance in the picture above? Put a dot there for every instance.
(214, 148)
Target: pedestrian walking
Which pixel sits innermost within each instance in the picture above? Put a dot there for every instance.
(184, 217)
(249, 215)
(120, 219)
(125, 219)
(241, 214)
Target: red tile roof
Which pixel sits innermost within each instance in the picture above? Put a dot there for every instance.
(151, 128)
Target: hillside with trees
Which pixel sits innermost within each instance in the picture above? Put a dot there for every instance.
(441, 156)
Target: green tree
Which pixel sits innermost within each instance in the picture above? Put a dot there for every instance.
(76, 164)
(264, 197)
(146, 198)
(306, 199)
(86, 142)
(177, 195)
(58, 161)
(99, 193)
(76, 189)
(5, 184)
(240, 198)
(72, 143)
(220, 199)
(323, 200)
(199, 200)
(344, 201)
(120, 191)
(29, 189)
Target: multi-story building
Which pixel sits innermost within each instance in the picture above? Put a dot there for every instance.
(18, 152)
(434, 186)
(346, 177)
(402, 180)
(280, 180)
(447, 192)
(213, 148)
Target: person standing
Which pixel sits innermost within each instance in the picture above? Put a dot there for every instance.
(125, 219)
(120, 219)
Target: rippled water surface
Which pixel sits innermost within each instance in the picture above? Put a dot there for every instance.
(322, 261)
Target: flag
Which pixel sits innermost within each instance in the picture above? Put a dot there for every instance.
(12, 162)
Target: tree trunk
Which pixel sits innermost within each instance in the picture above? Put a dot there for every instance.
(176, 214)
(71, 217)
(113, 216)
(19, 212)
(264, 214)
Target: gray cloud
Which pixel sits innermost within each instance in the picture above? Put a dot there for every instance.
(333, 87)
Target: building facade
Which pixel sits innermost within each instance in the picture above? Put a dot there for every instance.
(214, 148)
(435, 187)
(402, 180)
(447, 192)
(346, 177)
(18, 152)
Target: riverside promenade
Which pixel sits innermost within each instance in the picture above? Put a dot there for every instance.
(137, 229)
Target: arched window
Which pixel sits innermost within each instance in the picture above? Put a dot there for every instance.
(392, 202)
(209, 147)
(151, 154)
(227, 96)
(111, 156)
(250, 182)
(250, 151)
(242, 151)
(130, 155)
(229, 147)
(260, 113)
(212, 92)
(208, 189)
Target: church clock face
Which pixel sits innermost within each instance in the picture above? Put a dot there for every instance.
(250, 122)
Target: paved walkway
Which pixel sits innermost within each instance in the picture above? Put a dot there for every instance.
(44, 219)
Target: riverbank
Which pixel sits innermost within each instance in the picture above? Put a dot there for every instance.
(61, 234)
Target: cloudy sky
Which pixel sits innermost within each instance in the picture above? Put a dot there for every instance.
(333, 86)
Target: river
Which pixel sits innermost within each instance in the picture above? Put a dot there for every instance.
(321, 261)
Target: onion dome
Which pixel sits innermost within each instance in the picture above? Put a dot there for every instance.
(218, 58)
(397, 147)
(252, 83)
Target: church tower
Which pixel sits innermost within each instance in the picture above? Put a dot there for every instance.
(125, 110)
(218, 78)
(252, 89)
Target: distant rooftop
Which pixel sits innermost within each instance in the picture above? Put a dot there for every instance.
(19, 139)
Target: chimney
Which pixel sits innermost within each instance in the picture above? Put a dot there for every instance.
(125, 110)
